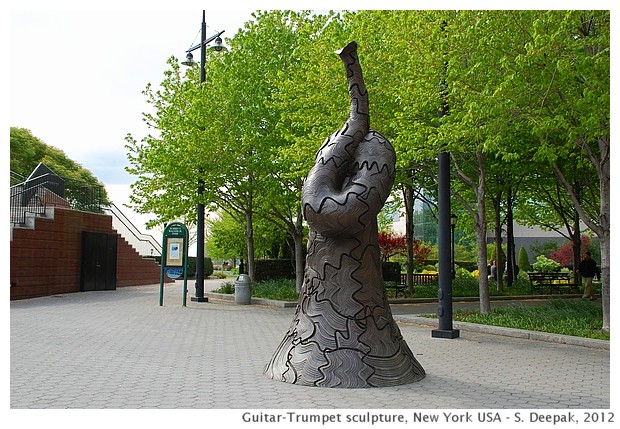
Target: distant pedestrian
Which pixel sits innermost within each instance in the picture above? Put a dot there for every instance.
(492, 270)
(587, 269)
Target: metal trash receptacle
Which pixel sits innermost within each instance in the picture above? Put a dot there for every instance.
(243, 289)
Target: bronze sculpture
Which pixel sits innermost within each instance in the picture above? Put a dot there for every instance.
(343, 333)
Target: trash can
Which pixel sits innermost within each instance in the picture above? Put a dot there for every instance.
(243, 289)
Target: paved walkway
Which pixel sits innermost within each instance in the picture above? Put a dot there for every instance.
(120, 349)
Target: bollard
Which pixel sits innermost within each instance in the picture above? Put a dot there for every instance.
(243, 289)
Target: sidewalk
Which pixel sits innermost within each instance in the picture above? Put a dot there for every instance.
(120, 349)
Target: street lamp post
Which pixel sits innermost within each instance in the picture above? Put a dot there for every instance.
(200, 221)
(453, 218)
(444, 308)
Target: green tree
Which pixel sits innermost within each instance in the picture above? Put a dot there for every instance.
(305, 114)
(558, 85)
(225, 238)
(27, 151)
(163, 161)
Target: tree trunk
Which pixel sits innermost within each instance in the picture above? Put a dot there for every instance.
(409, 203)
(481, 234)
(249, 238)
(499, 259)
(605, 253)
(601, 224)
(576, 239)
(604, 235)
(510, 241)
(299, 254)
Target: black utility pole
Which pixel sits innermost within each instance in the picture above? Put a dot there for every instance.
(444, 309)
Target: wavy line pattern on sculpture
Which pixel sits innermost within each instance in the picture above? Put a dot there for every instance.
(343, 333)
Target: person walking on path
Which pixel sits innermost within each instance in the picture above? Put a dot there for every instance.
(587, 269)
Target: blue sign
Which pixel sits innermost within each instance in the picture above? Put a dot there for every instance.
(174, 272)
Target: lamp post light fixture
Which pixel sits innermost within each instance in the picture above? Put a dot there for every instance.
(200, 215)
(453, 218)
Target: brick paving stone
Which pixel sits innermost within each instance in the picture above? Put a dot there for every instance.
(121, 350)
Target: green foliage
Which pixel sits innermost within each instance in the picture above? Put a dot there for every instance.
(567, 317)
(278, 289)
(545, 265)
(27, 151)
(560, 316)
(527, 92)
(225, 238)
(191, 267)
(270, 269)
(468, 286)
(226, 287)
(524, 261)
(544, 248)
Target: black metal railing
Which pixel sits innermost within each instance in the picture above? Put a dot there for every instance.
(85, 197)
(16, 178)
(34, 196)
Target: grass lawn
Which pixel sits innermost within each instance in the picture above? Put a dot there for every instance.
(558, 316)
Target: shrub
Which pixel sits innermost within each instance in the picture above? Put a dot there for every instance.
(226, 287)
(564, 255)
(545, 265)
(219, 275)
(191, 267)
(430, 268)
(271, 269)
(524, 261)
(462, 272)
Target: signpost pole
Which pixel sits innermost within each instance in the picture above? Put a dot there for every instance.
(185, 268)
(163, 264)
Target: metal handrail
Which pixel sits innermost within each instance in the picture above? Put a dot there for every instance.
(145, 244)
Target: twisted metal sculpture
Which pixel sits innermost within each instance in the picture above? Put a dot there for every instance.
(343, 333)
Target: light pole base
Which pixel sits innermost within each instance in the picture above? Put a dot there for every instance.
(445, 333)
(199, 299)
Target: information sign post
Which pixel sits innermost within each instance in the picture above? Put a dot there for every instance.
(174, 257)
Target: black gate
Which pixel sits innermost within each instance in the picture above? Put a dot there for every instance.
(98, 261)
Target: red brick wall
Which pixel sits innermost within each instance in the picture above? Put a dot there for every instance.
(47, 260)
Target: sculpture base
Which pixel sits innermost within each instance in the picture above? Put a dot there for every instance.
(335, 341)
